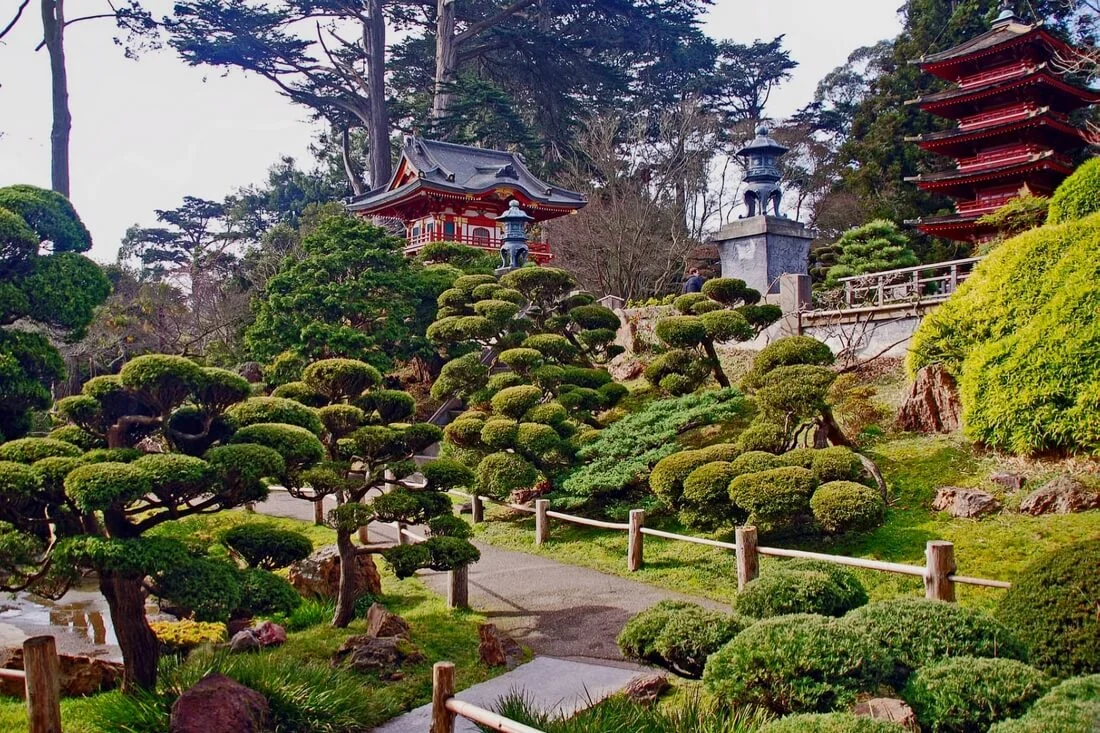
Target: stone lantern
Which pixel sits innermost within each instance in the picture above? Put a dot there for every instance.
(513, 248)
(762, 156)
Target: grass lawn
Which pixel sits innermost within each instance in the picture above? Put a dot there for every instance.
(995, 547)
(439, 633)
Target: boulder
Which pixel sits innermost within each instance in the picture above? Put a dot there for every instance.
(270, 634)
(384, 656)
(244, 641)
(217, 704)
(932, 405)
(1060, 495)
(646, 688)
(381, 622)
(318, 575)
(1011, 481)
(496, 648)
(888, 709)
(80, 675)
(625, 367)
(965, 503)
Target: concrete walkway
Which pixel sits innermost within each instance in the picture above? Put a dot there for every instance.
(557, 610)
(552, 685)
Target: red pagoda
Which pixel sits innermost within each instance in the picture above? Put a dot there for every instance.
(444, 192)
(1014, 135)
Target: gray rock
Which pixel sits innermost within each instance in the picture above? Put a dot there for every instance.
(965, 503)
(384, 656)
(932, 405)
(1011, 481)
(381, 623)
(646, 688)
(244, 641)
(888, 708)
(217, 704)
(1060, 495)
(318, 576)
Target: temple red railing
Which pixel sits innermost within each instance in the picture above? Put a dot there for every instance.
(540, 251)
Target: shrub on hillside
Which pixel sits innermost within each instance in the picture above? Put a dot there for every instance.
(265, 593)
(801, 586)
(1078, 196)
(796, 663)
(830, 723)
(836, 464)
(638, 639)
(666, 480)
(968, 694)
(678, 636)
(1070, 707)
(763, 436)
(266, 546)
(705, 498)
(776, 501)
(788, 351)
(499, 474)
(919, 632)
(1052, 605)
(210, 589)
(844, 506)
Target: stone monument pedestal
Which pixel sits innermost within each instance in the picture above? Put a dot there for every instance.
(761, 249)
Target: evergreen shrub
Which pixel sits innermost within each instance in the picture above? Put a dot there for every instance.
(706, 495)
(78, 436)
(801, 586)
(1071, 707)
(845, 506)
(777, 500)
(1078, 196)
(678, 636)
(514, 401)
(762, 436)
(499, 474)
(789, 351)
(265, 593)
(30, 450)
(185, 635)
(830, 723)
(266, 546)
(836, 464)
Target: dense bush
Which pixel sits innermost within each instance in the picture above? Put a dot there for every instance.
(297, 446)
(706, 496)
(919, 632)
(29, 450)
(638, 639)
(872, 247)
(1052, 606)
(756, 461)
(678, 636)
(776, 501)
(830, 723)
(185, 635)
(266, 546)
(836, 464)
(499, 474)
(78, 436)
(1078, 196)
(968, 694)
(844, 506)
(787, 351)
(208, 588)
(265, 593)
(666, 480)
(801, 586)
(764, 437)
(796, 663)
(1071, 707)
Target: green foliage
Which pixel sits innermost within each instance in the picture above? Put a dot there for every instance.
(499, 474)
(722, 326)
(185, 635)
(873, 247)
(968, 694)
(521, 360)
(460, 377)
(919, 632)
(594, 317)
(468, 259)
(836, 464)
(274, 410)
(514, 402)
(391, 405)
(297, 446)
(176, 478)
(439, 553)
(265, 593)
(776, 500)
(788, 351)
(339, 420)
(299, 392)
(802, 586)
(762, 437)
(681, 332)
(101, 485)
(796, 663)
(845, 506)
(705, 498)
(552, 346)
(830, 723)
(666, 480)
(729, 291)
(638, 639)
(678, 636)
(209, 588)
(622, 454)
(341, 379)
(31, 450)
(1072, 706)
(443, 474)
(1052, 607)
(285, 368)
(756, 461)
(267, 547)
(242, 469)
(677, 372)
(18, 483)
(448, 525)
(49, 215)
(1077, 197)
(1018, 215)
(162, 380)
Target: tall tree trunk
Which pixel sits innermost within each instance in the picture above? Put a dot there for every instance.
(378, 132)
(345, 600)
(140, 648)
(446, 58)
(53, 34)
(350, 172)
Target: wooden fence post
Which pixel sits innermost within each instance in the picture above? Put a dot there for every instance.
(939, 564)
(542, 522)
(477, 509)
(634, 540)
(401, 538)
(458, 587)
(43, 684)
(748, 562)
(443, 688)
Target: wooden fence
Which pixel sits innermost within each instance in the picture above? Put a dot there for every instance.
(445, 707)
(41, 675)
(939, 571)
(923, 283)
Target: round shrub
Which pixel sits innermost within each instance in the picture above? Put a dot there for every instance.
(114, 455)
(796, 663)
(580, 399)
(1052, 605)
(504, 380)
(638, 639)
(444, 473)
(163, 379)
(612, 393)
(499, 474)
(683, 366)
(30, 450)
(496, 312)
(522, 360)
(667, 477)
(776, 500)
(802, 457)
(722, 326)
(548, 413)
(20, 482)
(729, 291)
(1071, 707)
(78, 436)
(802, 586)
(299, 392)
(845, 506)
(242, 469)
(594, 316)
(763, 436)
(919, 632)
(706, 494)
(219, 388)
(756, 461)
(536, 440)
(467, 283)
(267, 547)
(513, 402)
(583, 377)
(264, 593)
(341, 379)
(465, 432)
(692, 634)
(499, 433)
(552, 346)
(298, 446)
(968, 694)
(176, 478)
(836, 464)
(391, 405)
(686, 303)
(681, 332)
(210, 589)
(788, 351)
(339, 420)
(99, 485)
(51, 471)
(274, 410)
(448, 525)
(830, 723)
(1077, 196)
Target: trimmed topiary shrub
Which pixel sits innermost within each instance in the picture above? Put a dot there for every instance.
(95, 487)
(499, 432)
(968, 694)
(1071, 707)
(266, 546)
(297, 446)
(265, 593)
(678, 636)
(830, 723)
(706, 496)
(499, 474)
(802, 586)
(919, 632)
(78, 436)
(513, 402)
(788, 351)
(755, 462)
(30, 450)
(796, 663)
(763, 437)
(638, 639)
(836, 464)
(845, 506)
(1052, 605)
(777, 500)
(185, 635)
(208, 588)
(1078, 196)
(667, 477)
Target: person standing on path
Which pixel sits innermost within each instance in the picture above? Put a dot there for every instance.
(694, 283)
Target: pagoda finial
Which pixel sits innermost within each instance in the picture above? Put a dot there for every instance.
(1008, 13)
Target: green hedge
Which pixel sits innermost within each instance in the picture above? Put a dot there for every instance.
(1071, 707)
(801, 586)
(845, 506)
(678, 636)
(777, 500)
(830, 723)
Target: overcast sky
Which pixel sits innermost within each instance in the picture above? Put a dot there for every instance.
(147, 132)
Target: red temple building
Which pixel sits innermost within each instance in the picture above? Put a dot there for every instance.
(444, 192)
(1014, 135)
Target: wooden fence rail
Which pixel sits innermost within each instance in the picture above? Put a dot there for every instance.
(445, 707)
(938, 571)
(41, 674)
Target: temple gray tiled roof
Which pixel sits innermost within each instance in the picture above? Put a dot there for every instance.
(466, 169)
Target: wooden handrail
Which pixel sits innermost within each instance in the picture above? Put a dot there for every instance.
(915, 268)
(588, 522)
(445, 706)
(487, 717)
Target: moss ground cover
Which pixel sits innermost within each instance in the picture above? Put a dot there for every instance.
(438, 632)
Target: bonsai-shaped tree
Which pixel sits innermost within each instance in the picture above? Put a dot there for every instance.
(726, 310)
(64, 511)
(873, 247)
(365, 447)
